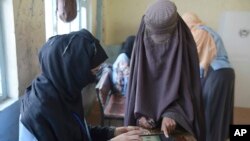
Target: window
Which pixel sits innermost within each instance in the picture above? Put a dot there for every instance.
(3, 94)
(55, 26)
(9, 91)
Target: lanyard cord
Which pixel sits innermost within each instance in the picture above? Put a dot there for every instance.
(83, 126)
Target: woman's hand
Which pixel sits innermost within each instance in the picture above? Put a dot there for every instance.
(129, 134)
(121, 130)
(168, 126)
(146, 123)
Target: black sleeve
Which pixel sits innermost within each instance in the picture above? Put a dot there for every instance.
(99, 133)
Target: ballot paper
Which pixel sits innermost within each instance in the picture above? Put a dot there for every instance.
(151, 138)
(156, 138)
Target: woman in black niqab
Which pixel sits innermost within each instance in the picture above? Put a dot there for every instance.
(51, 108)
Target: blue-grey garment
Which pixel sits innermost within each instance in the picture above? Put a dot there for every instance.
(218, 98)
(25, 134)
(221, 59)
(120, 73)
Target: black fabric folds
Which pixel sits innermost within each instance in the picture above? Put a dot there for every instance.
(52, 106)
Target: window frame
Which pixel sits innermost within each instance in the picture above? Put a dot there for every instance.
(52, 20)
(2, 67)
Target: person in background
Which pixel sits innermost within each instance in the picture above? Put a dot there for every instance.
(127, 46)
(164, 90)
(217, 76)
(51, 109)
(120, 68)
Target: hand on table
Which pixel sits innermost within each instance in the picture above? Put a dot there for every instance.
(128, 133)
(146, 123)
(168, 125)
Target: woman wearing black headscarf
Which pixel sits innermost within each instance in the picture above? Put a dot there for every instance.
(51, 109)
(164, 86)
(127, 46)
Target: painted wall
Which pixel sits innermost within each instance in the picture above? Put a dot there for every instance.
(30, 35)
(93, 16)
(238, 50)
(122, 17)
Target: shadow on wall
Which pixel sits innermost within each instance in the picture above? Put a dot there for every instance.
(9, 119)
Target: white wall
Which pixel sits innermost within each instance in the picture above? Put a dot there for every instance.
(238, 49)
